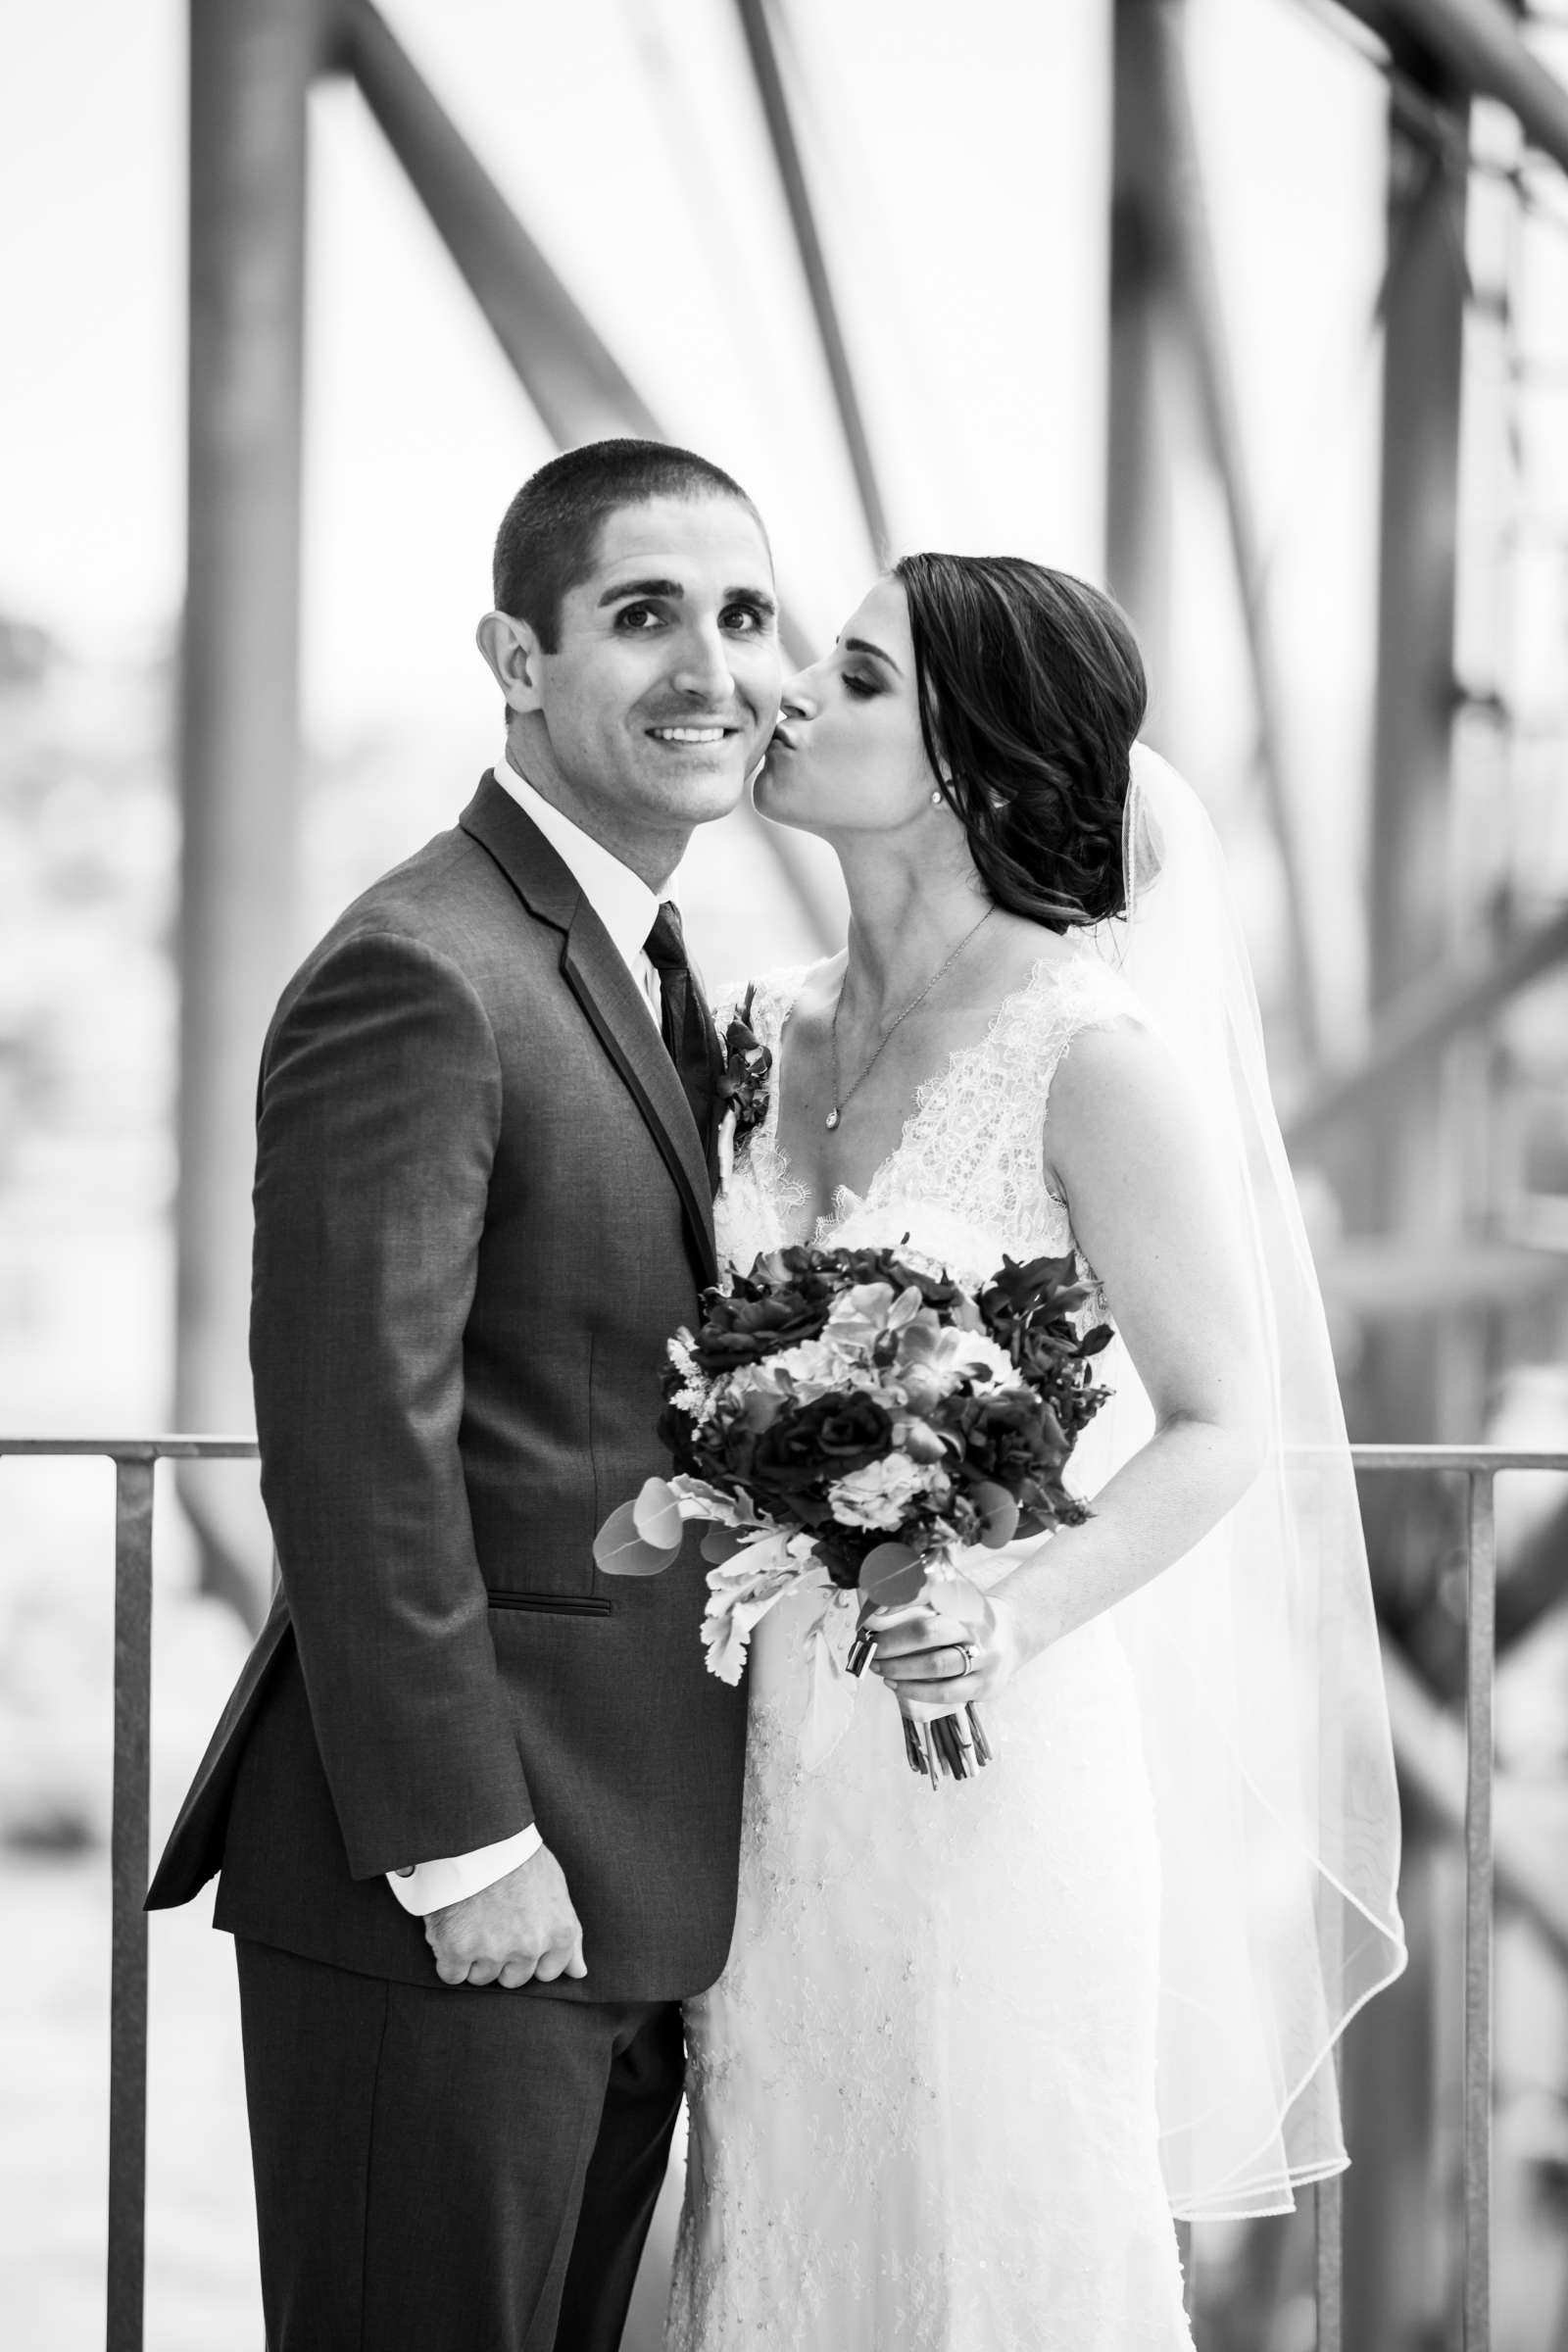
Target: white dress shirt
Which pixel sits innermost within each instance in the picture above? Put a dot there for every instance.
(626, 907)
(622, 900)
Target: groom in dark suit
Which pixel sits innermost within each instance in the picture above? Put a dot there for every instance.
(477, 1810)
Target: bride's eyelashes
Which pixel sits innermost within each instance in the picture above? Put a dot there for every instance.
(862, 689)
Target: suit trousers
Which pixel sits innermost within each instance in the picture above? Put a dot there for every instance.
(450, 2169)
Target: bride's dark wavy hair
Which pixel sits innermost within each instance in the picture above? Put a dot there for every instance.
(1031, 693)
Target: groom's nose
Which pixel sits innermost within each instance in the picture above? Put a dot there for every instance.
(703, 666)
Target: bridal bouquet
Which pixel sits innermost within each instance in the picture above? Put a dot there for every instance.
(842, 1416)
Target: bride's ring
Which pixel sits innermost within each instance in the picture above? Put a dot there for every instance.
(964, 1651)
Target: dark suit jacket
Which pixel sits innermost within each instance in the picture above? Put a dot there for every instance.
(481, 1210)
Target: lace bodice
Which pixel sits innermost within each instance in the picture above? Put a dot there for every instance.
(968, 1173)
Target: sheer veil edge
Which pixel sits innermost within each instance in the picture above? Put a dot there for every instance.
(1259, 1680)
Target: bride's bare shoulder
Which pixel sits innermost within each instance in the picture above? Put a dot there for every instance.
(1116, 1090)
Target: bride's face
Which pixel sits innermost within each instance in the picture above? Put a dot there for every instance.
(846, 756)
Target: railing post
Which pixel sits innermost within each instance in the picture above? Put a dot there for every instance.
(1480, 1656)
(128, 1996)
(1327, 2262)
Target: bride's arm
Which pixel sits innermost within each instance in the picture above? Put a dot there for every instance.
(1125, 1147)
(1125, 1142)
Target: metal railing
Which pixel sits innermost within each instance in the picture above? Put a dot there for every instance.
(1422, 1761)
(134, 1459)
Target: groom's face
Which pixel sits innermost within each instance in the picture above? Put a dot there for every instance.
(663, 690)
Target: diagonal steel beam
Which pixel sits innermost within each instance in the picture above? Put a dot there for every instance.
(803, 219)
(569, 375)
(1166, 183)
(1429, 1751)
(568, 372)
(1424, 1017)
(1478, 46)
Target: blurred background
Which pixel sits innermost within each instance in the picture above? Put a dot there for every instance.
(1254, 310)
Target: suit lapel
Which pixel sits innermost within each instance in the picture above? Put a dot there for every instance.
(597, 975)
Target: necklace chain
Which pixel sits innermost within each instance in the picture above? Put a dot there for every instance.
(843, 1097)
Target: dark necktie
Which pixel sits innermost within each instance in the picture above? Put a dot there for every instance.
(687, 1029)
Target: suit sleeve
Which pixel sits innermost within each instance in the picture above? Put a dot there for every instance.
(378, 1116)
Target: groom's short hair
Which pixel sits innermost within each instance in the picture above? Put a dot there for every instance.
(548, 535)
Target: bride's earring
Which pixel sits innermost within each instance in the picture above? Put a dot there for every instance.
(937, 799)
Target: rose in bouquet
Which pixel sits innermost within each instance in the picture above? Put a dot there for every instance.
(844, 1418)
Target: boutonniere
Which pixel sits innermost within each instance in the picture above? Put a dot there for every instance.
(745, 1085)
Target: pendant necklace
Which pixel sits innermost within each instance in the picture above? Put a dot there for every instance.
(842, 1100)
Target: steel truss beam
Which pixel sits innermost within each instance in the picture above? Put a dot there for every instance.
(570, 376)
(1478, 45)
(1163, 262)
(1418, 1023)
(803, 219)
(250, 74)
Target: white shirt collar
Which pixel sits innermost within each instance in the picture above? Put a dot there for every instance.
(622, 900)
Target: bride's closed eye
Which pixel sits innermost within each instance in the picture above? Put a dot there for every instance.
(862, 689)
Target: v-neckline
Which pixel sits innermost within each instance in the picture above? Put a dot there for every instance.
(845, 1199)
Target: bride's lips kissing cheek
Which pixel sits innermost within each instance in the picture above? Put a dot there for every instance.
(847, 752)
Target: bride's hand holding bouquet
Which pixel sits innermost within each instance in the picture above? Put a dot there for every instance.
(951, 1650)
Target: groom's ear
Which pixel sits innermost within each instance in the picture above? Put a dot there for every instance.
(511, 649)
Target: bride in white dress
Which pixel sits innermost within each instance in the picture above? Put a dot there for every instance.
(973, 2048)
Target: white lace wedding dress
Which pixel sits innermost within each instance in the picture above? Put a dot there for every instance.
(923, 2093)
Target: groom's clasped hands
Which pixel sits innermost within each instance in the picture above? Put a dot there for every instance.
(522, 1928)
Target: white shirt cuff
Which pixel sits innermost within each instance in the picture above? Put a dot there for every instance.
(430, 1886)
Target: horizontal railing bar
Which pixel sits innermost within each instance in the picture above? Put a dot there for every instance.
(1366, 1458)
(1458, 1457)
(138, 1449)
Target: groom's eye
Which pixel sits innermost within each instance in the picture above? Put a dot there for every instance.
(636, 620)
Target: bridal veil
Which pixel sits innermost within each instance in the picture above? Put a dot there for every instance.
(1264, 1721)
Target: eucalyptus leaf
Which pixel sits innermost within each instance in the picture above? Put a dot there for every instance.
(656, 1514)
(891, 1575)
(999, 1515)
(619, 1550)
